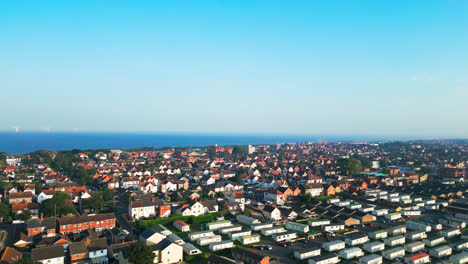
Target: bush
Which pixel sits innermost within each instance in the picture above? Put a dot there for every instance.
(144, 224)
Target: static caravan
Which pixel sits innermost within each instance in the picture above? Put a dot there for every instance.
(393, 216)
(261, 226)
(414, 247)
(351, 253)
(273, 230)
(203, 241)
(217, 225)
(373, 247)
(196, 235)
(453, 222)
(371, 259)
(333, 200)
(434, 241)
(441, 251)
(418, 258)
(181, 226)
(297, 227)
(411, 212)
(380, 212)
(379, 234)
(333, 227)
(334, 245)
(175, 239)
(396, 230)
(245, 240)
(190, 249)
(417, 226)
(230, 229)
(416, 235)
(366, 209)
(460, 244)
(285, 236)
(393, 253)
(320, 222)
(237, 235)
(247, 220)
(356, 239)
(329, 258)
(353, 206)
(461, 258)
(307, 253)
(394, 241)
(221, 245)
(449, 233)
(343, 203)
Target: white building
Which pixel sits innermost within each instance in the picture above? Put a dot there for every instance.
(393, 253)
(320, 222)
(273, 230)
(247, 220)
(285, 236)
(297, 227)
(441, 251)
(356, 239)
(329, 258)
(393, 216)
(351, 253)
(196, 235)
(449, 233)
(417, 226)
(396, 230)
(229, 229)
(461, 258)
(190, 249)
(261, 226)
(203, 241)
(307, 253)
(181, 226)
(394, 241)
(371, 259)
(416, 235)
(414, 247)
(418, 258)
(333, 227)
(373, 247)
(245, 240)
(141, 209)
(237, 235)
(49, 255)
(434, 241)
(334, 245)
(166, 252)
(221, 245)
(379, 234)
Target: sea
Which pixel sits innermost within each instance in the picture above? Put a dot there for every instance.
(25, 142)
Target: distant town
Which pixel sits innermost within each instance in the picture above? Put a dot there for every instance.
(308, 202)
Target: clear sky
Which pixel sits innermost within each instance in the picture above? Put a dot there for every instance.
(298, 67)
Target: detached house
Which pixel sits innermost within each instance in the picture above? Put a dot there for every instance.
(141, 209)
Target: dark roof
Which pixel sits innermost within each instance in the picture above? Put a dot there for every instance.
(47, 252)
(77, 248)
(85, 218)
(248, 253)
(98, 244)
(161, 245)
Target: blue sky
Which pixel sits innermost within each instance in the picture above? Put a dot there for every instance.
(297, 67)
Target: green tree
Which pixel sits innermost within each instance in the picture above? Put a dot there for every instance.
(238, 151)
(38, 187)
(57, 205)
(126, 198)
(140, 254)
(238, 178)
(25, 215)
(4, 210)
(107, 194)
(96, 203)
(349, 166)
(383, 163)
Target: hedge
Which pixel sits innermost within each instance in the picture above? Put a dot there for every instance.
(144, 224)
